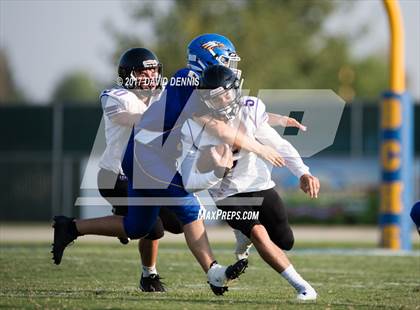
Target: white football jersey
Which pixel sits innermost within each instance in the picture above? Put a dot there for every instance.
(250, 173)
(115, 101)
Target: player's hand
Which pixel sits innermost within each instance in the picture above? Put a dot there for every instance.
(271, 155)
(284, 121)
(310, 185)
(222, 156)
(291, 122)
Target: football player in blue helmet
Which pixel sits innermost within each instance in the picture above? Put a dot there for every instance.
(157, 146)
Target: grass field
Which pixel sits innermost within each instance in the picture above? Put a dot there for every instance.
(106, 276)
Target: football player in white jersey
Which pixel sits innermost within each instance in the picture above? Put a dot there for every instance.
(139, 73)
(239, 174)
(139, 76)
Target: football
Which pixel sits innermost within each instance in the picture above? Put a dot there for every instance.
(206, 161)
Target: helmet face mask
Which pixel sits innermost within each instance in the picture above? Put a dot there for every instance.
(221, 92)
(231, 61)
(146, 79)
(225, 105)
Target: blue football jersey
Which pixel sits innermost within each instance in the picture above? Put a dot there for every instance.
(164, 119)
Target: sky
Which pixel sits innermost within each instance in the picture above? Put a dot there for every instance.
(46, 39)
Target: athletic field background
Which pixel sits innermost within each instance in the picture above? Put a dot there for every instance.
(342, 263)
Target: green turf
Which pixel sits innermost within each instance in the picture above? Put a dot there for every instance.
(106, 276)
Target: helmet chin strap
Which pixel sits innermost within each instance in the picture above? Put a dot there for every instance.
(146, 95)
(142, 94)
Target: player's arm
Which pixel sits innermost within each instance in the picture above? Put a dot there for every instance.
(195, 176)
(238, 139)
(118, 113)
(308, 183)
(284, 121)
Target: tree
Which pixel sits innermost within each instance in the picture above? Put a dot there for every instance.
(76, 87)
(281, 43)
(9, 92)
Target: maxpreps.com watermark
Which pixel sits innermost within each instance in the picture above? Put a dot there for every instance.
(215, 215)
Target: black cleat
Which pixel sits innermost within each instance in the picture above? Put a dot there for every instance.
(152, 283)
(218, 290)
(234, 271)
(64, 234)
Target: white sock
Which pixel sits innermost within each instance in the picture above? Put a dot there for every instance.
(295, 279)
(147, 271)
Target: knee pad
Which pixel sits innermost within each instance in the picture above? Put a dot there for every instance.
(170, 222)
(135, 231)
(120, 210)
(156, 232)
(175, 228)
(283, 239)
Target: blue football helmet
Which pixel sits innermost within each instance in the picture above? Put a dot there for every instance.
(212, 49)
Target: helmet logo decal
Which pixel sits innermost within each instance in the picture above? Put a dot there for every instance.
(150, 63)
(217, 91)
(211, 45)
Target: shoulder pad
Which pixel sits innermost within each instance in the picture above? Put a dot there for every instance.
(186, 72)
